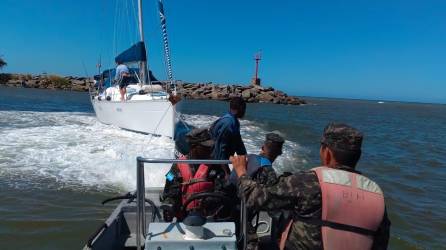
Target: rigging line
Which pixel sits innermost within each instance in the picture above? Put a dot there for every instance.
(85, 68)
(127, 17)
(181, 119)
(115, 28)
(159, 123)
(102, 14)
(120, 28)
(115, 24)
(125, 23)
(135, 10)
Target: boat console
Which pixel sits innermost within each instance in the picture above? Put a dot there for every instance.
(172, 236)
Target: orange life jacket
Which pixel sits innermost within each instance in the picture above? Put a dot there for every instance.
(193, 184)
(352, 210)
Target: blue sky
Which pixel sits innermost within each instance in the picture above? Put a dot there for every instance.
(392, 50)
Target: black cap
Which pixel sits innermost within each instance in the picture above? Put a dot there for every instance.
(199, 136)
(274, 138)
(342, 137)
(274, 142)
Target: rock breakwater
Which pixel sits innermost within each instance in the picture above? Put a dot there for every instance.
(200, 91)
(251, 93)
(46, 81)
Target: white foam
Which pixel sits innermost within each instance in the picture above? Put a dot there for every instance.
(74, 149)
(253, 136)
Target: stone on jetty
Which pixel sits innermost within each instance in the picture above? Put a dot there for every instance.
(251, 93)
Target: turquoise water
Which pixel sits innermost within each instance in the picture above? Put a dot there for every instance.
(57, 163)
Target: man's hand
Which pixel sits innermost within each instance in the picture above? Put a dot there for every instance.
(239, 164)
(174, 99)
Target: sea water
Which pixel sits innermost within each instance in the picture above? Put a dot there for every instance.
(57, 162)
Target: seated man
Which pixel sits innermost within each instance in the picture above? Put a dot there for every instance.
(333, 205)
(260, 166)
(184, 180)
(260, 170)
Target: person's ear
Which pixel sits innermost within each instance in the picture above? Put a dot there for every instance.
(325, 155)
(329, 155)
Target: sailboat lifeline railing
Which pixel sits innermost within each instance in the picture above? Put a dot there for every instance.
(140, 189)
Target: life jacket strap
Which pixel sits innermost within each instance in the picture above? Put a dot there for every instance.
(194, 180)
(335, 225)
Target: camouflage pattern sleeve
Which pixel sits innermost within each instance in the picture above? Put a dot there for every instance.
(266, 176)
(299, 193)
(282, 195)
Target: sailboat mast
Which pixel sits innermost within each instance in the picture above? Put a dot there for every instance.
(142, 65)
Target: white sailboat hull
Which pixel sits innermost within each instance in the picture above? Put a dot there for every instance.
(145, 116)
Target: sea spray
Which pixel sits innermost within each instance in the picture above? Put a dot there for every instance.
(74, 150)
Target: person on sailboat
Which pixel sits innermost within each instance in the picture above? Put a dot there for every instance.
(333, 206)
(184, 180)
(226, 131)
(122, 76)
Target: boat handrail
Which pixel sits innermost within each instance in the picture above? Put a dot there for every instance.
(93, 90)
(140, 188)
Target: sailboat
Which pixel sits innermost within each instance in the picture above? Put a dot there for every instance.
(146, 108)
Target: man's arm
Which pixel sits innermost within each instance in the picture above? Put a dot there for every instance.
(117, 73)
(221, 146)
(239, 146)
(266, 176)
(381, 239)
(284, 194)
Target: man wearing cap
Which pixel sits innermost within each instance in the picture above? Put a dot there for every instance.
(260, 166)
(183, 180)
(260, 169)
(333, 206)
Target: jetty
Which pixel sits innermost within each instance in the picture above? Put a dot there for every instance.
(252, 93)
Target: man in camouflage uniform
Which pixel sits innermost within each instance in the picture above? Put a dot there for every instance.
(301, 192)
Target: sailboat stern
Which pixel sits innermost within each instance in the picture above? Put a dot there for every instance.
(155, 117)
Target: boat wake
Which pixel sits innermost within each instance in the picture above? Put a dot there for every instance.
(73, 150)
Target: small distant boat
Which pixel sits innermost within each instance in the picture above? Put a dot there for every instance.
(147, 108)
(380, 102)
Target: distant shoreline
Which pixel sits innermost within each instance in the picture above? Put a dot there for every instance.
(371, 100)
(196, 91)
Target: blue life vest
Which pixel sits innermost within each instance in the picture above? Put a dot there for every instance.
(255, 162)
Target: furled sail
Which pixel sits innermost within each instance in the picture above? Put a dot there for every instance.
(136, 53)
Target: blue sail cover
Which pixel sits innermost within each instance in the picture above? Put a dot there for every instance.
(136, 53)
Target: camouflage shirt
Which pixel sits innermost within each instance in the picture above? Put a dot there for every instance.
(301, 194)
